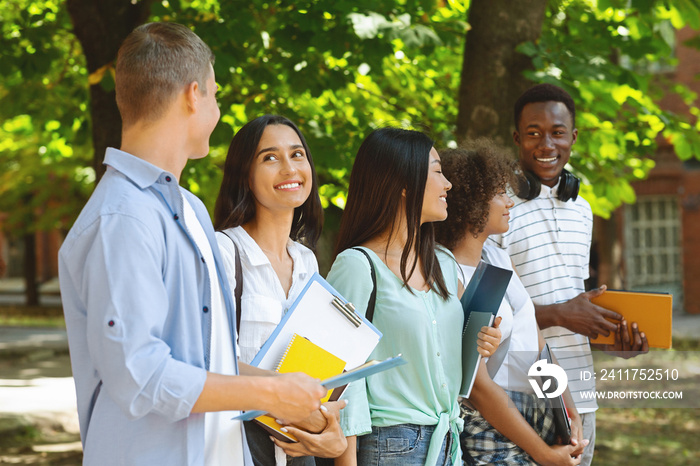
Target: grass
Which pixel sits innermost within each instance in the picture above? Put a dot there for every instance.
(685, 345)
(32, 316)
(646, 437)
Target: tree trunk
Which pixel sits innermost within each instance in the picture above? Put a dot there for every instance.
(492, 72)
(101, 26)
(31, 290)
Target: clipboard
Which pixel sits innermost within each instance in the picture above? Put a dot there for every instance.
(321, 315)
(365, 370)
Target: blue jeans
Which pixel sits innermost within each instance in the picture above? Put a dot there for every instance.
(401, 445)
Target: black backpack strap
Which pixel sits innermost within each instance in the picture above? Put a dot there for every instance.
(238, 290)
(369, 315)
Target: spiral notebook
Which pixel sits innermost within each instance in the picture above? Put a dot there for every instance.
(470, 356)
(480, 302)
(365, 370)
(302, 355)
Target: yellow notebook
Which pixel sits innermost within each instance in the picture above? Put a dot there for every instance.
(651, 311)
(303, 356)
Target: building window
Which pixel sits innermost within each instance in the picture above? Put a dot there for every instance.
(653, 244)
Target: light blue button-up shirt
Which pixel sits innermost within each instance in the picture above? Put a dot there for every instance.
(136, 297)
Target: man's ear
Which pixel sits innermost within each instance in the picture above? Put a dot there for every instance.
(516, 138)
(192, 96)
(574, 135)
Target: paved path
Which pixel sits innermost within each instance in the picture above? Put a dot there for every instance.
(22, 340)
(12, 292)
(39, 392)
(37, 396)
(35, 374)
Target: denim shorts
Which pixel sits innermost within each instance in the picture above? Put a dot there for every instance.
(401, 445)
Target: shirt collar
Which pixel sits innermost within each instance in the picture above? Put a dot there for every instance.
(257, 257)
(142, 173)
(294, 249)
(546, 191)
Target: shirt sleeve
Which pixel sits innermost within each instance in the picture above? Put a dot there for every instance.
(127, 307)
(351, 276)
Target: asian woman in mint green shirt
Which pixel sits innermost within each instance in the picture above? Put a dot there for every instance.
(408, 415)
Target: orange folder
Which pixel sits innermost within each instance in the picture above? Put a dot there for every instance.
(651, 311)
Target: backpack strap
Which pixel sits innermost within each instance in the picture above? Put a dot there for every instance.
(369, 315)
(238, 290)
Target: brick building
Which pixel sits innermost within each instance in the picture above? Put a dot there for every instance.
(12, 255)
(652, 245)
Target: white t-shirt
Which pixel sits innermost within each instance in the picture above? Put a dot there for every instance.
(223, 438)
(549, 243)
(518, 323)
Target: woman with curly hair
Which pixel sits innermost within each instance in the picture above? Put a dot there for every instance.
(494, 433)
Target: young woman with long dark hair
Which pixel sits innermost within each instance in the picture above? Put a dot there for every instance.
(269, 207)
(408, 415)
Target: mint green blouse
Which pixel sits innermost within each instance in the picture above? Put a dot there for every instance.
(427, 331)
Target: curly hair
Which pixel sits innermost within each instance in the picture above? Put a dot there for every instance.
(478, 170)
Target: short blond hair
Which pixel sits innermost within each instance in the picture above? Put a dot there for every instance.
(154, 63)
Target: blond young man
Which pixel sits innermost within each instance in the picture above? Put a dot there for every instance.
(148, 308)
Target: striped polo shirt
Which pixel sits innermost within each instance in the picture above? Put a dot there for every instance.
(549, 243)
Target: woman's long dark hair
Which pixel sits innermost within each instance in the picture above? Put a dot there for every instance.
(235, 204)
(392, 161)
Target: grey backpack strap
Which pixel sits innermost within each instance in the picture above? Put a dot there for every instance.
(238, 290)
(369, 315)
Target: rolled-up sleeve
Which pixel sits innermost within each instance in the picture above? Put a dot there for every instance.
(128, 306)
(350, 275)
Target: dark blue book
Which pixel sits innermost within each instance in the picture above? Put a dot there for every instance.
(480, 302)
(485, 290)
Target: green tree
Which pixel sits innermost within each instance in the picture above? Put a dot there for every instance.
(339, 68)
(607, 54)
(43, 120)
(492, 75)
(315, 62)
(101, 27)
